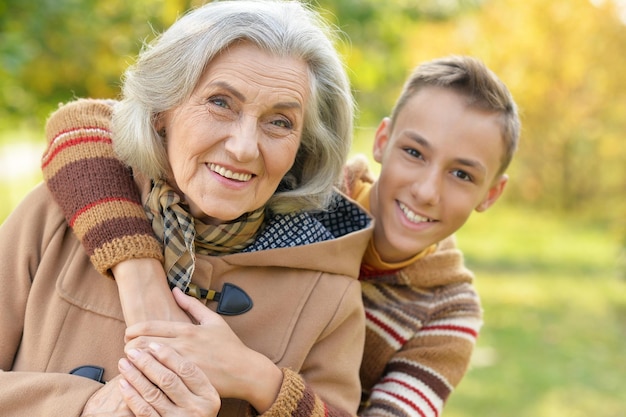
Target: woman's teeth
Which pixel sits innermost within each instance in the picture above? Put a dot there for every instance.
(226, 173)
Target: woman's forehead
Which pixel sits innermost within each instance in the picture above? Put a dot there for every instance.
(246, 67)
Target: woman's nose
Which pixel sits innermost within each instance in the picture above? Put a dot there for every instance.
(243, 143)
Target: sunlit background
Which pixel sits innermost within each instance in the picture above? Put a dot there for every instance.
(549, 258)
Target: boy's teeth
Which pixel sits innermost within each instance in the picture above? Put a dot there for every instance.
(229, 174)
(415, 218)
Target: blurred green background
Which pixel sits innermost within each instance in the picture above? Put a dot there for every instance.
(550, 257)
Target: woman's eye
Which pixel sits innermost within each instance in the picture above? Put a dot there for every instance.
(284, 123)
(218, 101)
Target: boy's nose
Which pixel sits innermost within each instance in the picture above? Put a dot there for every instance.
(427, 190)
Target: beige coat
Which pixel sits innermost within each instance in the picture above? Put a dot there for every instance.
(58, 313)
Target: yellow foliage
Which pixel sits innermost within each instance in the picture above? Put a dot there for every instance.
(562, 61)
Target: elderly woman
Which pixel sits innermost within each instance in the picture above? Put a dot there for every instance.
(235, 123)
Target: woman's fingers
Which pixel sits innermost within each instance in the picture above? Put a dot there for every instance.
(194, 380)
(156, 329)
(194, 308)
(160, 382)
(142, 395)
(134, 400)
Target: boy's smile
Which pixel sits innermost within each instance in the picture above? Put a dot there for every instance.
(438, 163)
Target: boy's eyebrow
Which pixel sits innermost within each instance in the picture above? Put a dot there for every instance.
(418, 138)
(472, 163)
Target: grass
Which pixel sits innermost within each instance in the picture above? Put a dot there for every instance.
(555, 308)
(553, 290)
(555, 319)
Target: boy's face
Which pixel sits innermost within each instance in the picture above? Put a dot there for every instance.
(438, 165)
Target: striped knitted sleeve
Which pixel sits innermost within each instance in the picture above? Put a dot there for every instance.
(297, 399)
(95, 191)
(355, 172)
(417, 352)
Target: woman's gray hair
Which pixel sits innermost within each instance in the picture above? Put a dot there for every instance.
(169, 68)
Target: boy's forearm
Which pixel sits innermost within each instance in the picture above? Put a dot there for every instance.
(96, 191)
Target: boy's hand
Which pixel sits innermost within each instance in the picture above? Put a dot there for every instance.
(355, 170)
(144, 292)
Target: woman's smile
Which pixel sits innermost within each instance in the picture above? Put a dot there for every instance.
(227, 173)
(233, 141)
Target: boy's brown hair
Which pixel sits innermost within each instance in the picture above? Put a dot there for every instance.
(484, 90)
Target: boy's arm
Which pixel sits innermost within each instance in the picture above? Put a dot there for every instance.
(297, 399)
(419, 375)
(94, 189)
(101, 203)
(356, 172)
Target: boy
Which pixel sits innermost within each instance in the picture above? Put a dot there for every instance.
(443, 154)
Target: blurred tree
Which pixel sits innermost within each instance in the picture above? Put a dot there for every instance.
(376, 47)
(561, 59)
(53, 51)
(562, 62)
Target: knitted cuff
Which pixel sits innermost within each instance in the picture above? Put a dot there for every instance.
(96, 191)
(111, 253)
(296, 399)
(355, 170)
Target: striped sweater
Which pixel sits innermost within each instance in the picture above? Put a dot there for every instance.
(422, 320)
(422, 323)
(95, 190)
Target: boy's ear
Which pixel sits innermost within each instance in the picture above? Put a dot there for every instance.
(381, 139)
(495, 191)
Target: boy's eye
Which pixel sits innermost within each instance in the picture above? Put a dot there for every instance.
(462, 175)
(414, 152)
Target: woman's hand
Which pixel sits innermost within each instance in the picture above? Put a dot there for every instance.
(107, 401)
(160, 382)
(144, 292)
(235, 370)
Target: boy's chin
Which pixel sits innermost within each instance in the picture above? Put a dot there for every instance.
(406, 249)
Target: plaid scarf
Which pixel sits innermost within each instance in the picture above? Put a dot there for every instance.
(183, 236)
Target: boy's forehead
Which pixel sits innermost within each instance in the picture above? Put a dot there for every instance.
(444, 118)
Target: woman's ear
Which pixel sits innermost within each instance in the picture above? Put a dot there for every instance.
(494, 192)
(381, 139)
(159, 125)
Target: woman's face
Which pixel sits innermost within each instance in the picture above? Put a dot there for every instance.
(232, 142)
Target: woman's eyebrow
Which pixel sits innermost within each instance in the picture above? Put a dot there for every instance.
(288, 105)
(280, 105)
(230, 88)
